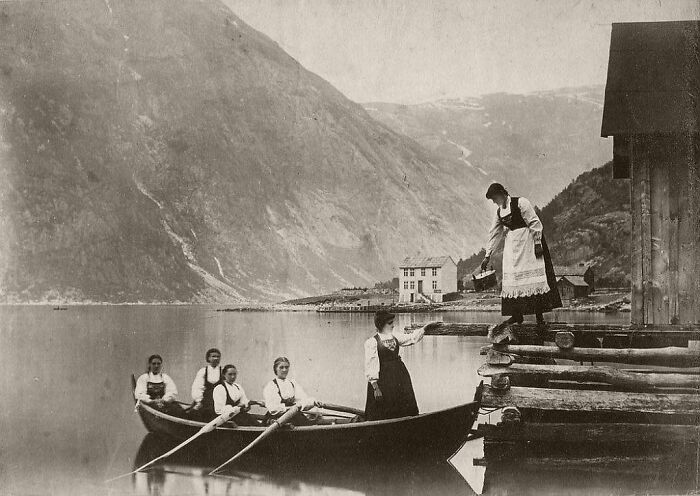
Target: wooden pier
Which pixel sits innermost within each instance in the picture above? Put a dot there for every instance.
(622, 406)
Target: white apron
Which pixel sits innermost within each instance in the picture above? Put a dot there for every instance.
(523, 273)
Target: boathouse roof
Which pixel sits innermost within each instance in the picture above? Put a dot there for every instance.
(573, 280)
(573, 270)
(427, 262)
(653, 78)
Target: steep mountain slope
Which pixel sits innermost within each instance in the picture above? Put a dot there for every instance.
(590, 221)
(157, 150)
(535, 144)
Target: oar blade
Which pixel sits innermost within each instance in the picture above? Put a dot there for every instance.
(205, 429)
(285, 418)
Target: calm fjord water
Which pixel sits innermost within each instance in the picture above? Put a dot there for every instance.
(67, 419)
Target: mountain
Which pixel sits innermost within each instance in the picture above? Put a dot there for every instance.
(588, 222)
(534, 144)
(160, 150)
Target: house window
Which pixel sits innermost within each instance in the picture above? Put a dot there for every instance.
(422, 272)
(405, 272)
(434, 284)
(413, 284)
(405, 285)
(412, 272)
(434, 271)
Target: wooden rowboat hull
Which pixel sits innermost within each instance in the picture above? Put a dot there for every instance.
(437, 434)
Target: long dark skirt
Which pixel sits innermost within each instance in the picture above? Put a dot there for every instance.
(398, 400)
(528, 305)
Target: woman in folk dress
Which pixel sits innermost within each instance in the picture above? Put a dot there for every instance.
(281, 393)
(229, 396)
(156, 389)
(389, 388)
(529, 284)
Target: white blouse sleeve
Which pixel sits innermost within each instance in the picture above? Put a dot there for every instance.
(219, 395)
(371, 360)
(170, 388)
(408, 339)
(244, 399)
(302, 398)
(495, 235)
(273, 402)
(140, 390)
(198, 386)
(530, 218)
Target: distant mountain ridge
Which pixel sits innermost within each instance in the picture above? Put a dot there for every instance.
(534, 144)
(166, 151)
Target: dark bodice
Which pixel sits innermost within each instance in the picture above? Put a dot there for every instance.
(514, 220)
(387, 350)
(155, 390)
(285, 401)
(229, 400)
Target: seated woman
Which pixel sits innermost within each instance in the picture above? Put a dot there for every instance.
(156, 389)
(228, 395)
(203, 385)
(281, 393)
(389, 388)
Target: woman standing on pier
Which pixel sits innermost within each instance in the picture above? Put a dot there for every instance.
(389, 388)
(528, 284)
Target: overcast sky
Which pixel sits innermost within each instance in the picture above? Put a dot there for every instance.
(417, 50)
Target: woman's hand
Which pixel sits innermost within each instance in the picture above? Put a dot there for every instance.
(197, 405)
(539, 251)
(378, 393)
(160, 403)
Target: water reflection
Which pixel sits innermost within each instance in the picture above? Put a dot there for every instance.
(186, 472)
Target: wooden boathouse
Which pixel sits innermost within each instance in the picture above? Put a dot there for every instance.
(612, 395)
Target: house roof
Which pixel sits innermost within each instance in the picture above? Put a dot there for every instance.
(574, 280)
(573, 270)
(653, 78)
(427, 262)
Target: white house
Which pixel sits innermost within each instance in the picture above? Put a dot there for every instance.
(426, 279)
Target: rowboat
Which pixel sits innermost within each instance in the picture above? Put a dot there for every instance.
(436, 435)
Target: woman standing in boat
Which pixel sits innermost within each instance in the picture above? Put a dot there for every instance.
(229, 395)
(281, 393)
(389, 388)
(528, 284)
(156, 389)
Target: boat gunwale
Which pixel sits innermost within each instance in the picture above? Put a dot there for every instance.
(367, 423)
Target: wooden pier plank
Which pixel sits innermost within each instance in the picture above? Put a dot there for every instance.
(587, 373)
(686, 331)
(592, 401)
(670, 356)
(603, 433)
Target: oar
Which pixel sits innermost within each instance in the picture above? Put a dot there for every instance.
(221, 419)
(341, 408)
(285, 418)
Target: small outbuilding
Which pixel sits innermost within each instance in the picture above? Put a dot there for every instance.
(581, 270)
(571, 287)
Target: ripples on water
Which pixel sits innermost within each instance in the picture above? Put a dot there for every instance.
(68, 423)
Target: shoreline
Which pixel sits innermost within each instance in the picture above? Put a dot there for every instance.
(603, 302)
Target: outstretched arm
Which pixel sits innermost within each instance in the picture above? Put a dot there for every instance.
(408, 339)
(495, 236)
